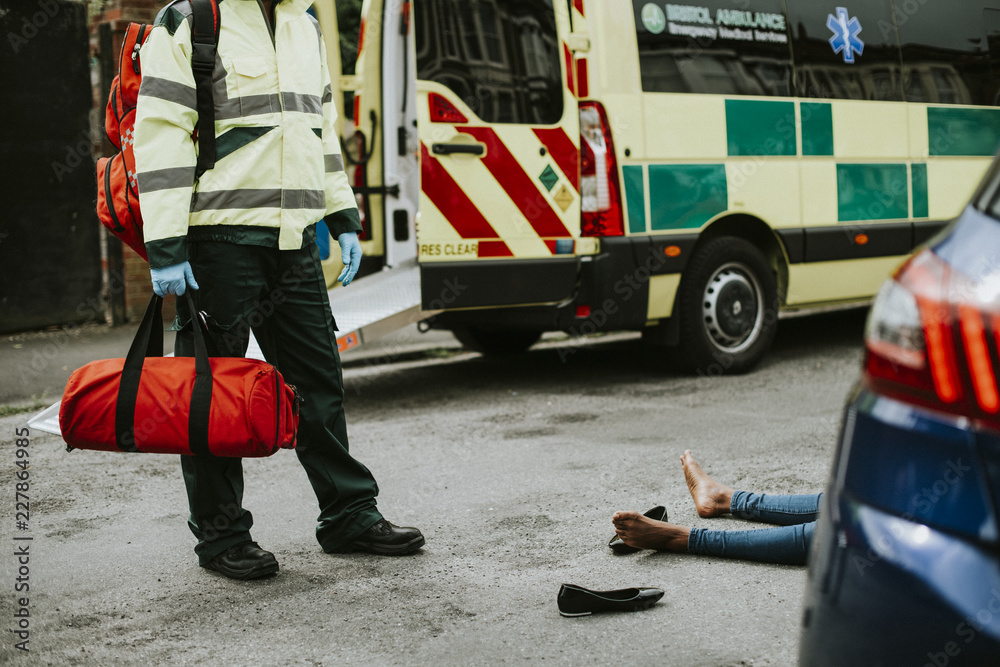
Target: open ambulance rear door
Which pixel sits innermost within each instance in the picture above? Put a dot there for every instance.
(380, 157)
(383, 148)
(499, 134)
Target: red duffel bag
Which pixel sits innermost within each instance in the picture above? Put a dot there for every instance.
(218, 406)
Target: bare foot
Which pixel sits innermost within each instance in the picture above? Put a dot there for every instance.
(641, 532)
(710, 497)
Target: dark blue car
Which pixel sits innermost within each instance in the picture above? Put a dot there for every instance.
(905, 566)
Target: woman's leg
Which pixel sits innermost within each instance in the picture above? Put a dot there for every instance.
(787, 545)
(713, 498)
(641, 532)
(796, 514)
(777, 509)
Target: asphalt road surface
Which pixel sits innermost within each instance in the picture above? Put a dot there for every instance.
(512, 468)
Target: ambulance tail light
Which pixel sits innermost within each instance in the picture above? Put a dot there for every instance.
(443, 111)
(600, 194)
(929, 342)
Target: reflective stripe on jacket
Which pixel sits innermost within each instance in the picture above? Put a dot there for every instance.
(278, 162)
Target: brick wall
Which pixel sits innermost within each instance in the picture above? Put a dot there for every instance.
(140, 11)
(119, 13)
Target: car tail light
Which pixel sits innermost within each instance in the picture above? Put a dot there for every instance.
(600, 195)
(931, 340)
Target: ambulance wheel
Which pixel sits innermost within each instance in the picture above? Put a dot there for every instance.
(496, 342)
(728, 308)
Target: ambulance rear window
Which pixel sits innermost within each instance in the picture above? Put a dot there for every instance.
(501, 57)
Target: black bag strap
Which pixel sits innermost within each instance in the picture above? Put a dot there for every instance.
(204, 43)
(148, 342)
(201, 394)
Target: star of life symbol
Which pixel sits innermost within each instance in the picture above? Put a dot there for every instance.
(845, 35)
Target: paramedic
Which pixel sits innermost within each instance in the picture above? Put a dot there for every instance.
(243, 235)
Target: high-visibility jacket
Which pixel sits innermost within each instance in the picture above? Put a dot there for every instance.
(278, 162)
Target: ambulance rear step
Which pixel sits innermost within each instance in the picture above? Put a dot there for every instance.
(367, 309)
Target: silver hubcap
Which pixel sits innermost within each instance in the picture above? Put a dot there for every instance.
(733, 307)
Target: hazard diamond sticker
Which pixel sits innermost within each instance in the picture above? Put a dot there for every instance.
(549, 178)
(563, 197)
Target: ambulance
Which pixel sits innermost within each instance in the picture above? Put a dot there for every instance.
(694, 172)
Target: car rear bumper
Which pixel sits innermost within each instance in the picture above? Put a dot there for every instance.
(904, 566)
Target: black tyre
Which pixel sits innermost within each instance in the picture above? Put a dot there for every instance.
(496, 342)
(728, 308)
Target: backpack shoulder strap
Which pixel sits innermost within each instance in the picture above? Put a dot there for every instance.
(204, 44)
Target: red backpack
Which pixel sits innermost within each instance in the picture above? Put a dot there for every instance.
(117, 184)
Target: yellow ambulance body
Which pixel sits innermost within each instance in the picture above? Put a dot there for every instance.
(691, 171)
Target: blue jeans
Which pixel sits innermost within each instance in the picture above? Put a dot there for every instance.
(789, 544)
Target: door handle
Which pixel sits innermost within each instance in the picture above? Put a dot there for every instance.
(469, 149)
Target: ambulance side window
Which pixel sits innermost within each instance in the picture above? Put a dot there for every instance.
(501, 57)
(716, 46)
(950, 53)
(846, 53)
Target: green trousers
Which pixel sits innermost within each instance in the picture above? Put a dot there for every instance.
(281, 296)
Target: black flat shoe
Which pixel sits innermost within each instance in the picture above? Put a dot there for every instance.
(579, 601)
(386, 539)
(245, 560)
(659, 513)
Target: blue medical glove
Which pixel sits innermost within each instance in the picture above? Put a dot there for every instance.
(172, 279)
(350, 254)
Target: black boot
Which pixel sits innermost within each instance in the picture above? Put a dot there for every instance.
(386, 539)
(245, 560)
